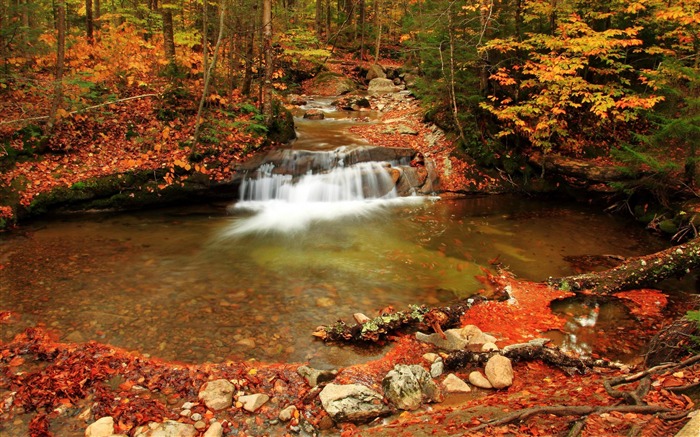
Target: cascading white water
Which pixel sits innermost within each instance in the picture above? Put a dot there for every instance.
(282, 203)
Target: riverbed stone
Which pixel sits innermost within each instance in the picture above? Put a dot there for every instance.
(437, 367)
(453, 384)
(352, 402)
(214, 430)
(499, 371)
(315, 376)
(103, 427)
(287, 413)
(217, 394)
(478, 380)
(169, 428)
(488, 347)
(379, 86)
(252, 402)
(407, 387)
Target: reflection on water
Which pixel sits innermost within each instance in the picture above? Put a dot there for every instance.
(168, 283)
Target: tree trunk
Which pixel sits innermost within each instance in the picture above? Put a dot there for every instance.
(638, 272)
(60, 60)
(378, 21)
(89, 22)
(168, 33)
(208, 73)
(267, 50)
(205, 37)
(319, 19)
(97, 11)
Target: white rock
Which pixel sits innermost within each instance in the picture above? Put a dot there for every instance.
(437, 368)
(254, 401)
(478, 380)
(453, 384)
(352, 402)
(217, 394)
(499, 371)
(488, 347)
(103, 427)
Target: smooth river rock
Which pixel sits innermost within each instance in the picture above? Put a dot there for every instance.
(499, 371)
(407, 387)
(103, 427)
(453, 384)
(253, 402)
(314, 376)
(478, 380)
(217, 394)
(352, 402)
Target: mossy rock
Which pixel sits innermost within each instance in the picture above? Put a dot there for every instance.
(281, 128)
(668, 226)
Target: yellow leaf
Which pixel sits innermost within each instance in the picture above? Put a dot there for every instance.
(166, 133)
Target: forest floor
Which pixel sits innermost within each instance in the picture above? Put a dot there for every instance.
(48, 387)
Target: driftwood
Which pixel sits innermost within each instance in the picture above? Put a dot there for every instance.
(388, 322)
(534, 350)
(636, 272)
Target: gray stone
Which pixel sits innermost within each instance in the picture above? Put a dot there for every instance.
(375, 71)
(287, 413)
(196, 416)
(478, 380)
(296, 99)
(352, 402)
(407, 387)
(103, 427)
(314, 114)
(381, 86)
(453, 384)
(217, 394)
(315, 377)
(437, 368)
(499, 371)
(253, 402)
(169, 428)
(214, 430)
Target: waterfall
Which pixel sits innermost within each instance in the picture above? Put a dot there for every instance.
(282, 202)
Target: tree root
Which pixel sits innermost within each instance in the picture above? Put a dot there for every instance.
(534, 350)
(577, 410)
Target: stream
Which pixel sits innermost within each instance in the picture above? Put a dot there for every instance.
(253, 279)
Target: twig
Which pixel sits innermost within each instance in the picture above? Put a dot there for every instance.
(578, 410)
(45, 117)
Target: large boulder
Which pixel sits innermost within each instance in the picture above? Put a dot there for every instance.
(375, 71)
(331, 84)
(103, 427)
(352, 402)
(407, 387)
(380, 86)
(499, 371)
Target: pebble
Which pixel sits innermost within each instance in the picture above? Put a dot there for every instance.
(188, 405)
(287, 414)
(437, 368)
(196, 417)
(199, 425)
(185, 413)
(479, 380)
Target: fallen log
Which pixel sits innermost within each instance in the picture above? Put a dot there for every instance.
(638, 272)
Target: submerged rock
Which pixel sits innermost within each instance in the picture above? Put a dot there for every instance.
(315, 376)
(352, 402)
(314, 114)
(499, 371)
(217, 394)
(407, 387)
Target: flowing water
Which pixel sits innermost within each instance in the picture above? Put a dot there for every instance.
(253, 280)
